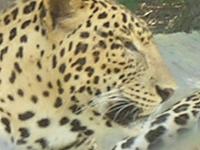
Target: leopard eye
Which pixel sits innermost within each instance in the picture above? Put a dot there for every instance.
(130, 45)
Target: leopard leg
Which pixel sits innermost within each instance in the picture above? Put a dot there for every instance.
(167, 127)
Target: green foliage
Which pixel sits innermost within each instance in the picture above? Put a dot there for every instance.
(131, 4)
(172, 1)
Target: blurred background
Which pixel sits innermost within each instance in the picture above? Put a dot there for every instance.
(166, 16)
(5, 3)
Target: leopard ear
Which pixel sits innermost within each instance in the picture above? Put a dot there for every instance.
(59, 10)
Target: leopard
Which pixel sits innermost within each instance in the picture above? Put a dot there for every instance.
(176, 128)
(75, 73)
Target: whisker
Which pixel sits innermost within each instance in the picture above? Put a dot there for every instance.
(136, 111)
(114, 107)
(105, 97)
(118, 112)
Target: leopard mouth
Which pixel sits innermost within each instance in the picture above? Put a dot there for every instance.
(123, 112)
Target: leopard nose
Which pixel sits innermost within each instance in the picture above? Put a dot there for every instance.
(165, 93)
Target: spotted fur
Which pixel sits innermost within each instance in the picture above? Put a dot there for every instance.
(70, 69)
(168, 127)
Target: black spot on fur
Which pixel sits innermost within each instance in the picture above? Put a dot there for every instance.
(103, 4)
(103, 34)
(13, 33)
(62, 68)
(115, 46)
(106, 24)
(124, 18)
(7, 19)
(39, 65)
(14, 13)
(181, 108)
(46, 93)
(81, 48)
(75, 109)
(81, 89)
(76, 126)
(102, 44)
(21, 142)
(96, 80)
(29, 8)
(23, 39)
(26, 115)
(62, 52)
(63, 121)
(108, 124)
(88, 23)
(43, 123)
(20, 92)
(79, 63)
(3, 52)
(102, 15)
(43, 142)
(25, 24)
(160, 119)
(12, 77)
(90, 71)
(89, 132)
(197, 105)
(114, 8)
(10, 97)
(43, 12)
(58, 102)
(1, 38)
(19, 53)
(24, 133)
(192, 98)
(67, 77)
(84, 35)
(54, 61)
(154, 135)
(70, 46)
(96, 56)
(34, 99)
(17, 67)
(38, 78)
(195, 113)
(6, 123)
(181, 119)
(128, 143)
